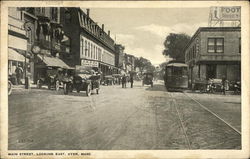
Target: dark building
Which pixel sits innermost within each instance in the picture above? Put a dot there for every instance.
(90, 45)
(45, 38)
(214, 52)
(119, 56)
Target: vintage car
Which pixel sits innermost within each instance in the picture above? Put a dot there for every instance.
(147, 79)
(52, 77)
(84, 79)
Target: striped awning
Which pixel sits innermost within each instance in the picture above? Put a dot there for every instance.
(15, 56)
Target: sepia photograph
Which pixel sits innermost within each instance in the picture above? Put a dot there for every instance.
(104, 78)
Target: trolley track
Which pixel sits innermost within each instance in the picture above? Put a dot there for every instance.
(193, 136)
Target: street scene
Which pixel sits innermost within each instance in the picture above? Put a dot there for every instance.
(139, 118)
(79, 79)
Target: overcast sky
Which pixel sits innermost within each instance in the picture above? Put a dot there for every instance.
(143, 31)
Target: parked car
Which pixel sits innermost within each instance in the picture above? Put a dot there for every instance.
(52, 77)
(147, 79)
(84, 79)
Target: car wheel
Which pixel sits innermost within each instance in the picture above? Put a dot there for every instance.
(38, 84)
(57, 85)
(9, 88)
(88, 91)
(65, 88)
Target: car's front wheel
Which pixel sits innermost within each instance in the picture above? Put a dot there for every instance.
(9, 88)
(65, 88)
(57, 85)
(88, 91)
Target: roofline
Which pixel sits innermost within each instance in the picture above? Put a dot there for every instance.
(200, 29)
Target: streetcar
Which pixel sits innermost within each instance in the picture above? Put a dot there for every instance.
(176, 76)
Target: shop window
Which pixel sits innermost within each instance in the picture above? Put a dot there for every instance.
(215, 45)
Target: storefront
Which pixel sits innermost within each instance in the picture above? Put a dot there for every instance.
(214, 53)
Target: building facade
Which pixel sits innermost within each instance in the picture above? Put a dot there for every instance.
(129, 63)
(46, 37)
(17, 43)
(214, 52)
(90, 44)
(119, 57)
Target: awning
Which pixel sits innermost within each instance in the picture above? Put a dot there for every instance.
(53, 61)
(15, 56)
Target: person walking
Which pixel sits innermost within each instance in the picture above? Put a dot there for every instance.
(124, 81)
(131, 81)
(224, 82)
(19, 74)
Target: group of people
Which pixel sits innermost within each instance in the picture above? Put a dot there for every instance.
(124, 81)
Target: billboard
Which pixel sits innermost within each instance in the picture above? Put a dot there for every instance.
(232, 13)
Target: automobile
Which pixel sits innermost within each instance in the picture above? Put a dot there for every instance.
(52, 77)
(84, 79)
(147, 79)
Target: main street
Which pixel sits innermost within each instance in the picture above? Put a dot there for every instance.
(139, 118)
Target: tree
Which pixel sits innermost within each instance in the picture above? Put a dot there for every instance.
(174, 46)
(143, 64)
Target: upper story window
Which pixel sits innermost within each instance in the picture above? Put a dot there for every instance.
(215, 45)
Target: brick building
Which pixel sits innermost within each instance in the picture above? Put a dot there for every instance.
(90, 45)
(214, 52)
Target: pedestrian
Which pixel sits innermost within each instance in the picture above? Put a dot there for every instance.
(19, 74)
(124, 81)
(131, 81)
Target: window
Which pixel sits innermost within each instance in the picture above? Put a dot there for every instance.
(81, 51)
(91, 51)
(86, 48)
(215, 45)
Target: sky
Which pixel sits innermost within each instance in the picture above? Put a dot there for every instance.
(143, 30)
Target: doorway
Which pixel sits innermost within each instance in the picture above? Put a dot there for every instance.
(211, 71)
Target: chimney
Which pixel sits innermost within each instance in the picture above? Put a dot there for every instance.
(88, 12)
(102, 27)
(109, 33)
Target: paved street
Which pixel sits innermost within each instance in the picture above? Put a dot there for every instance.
(123, 119)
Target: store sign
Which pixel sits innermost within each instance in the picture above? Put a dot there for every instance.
(226, 13)
(89, 63)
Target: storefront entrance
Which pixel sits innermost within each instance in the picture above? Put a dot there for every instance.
(211, 71)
